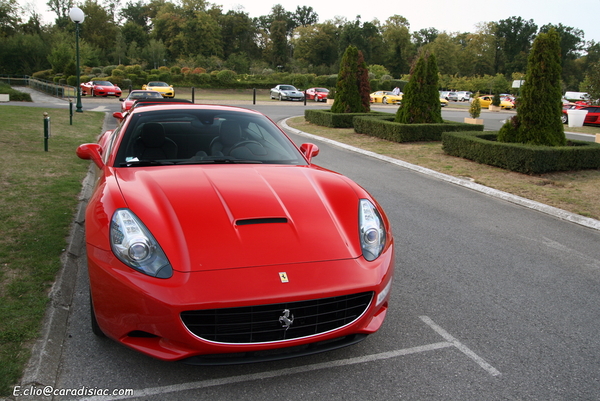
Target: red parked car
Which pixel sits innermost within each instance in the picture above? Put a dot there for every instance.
(317, 94)
(100, 88)
(592, 117)
(209, 232)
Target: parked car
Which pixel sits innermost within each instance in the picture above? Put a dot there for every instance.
(100, 88)
(443, 102)
(592, 117)
(209, 232)
(164, 88)
(464, 96)
(385, 97)
(486, 100)
(286, 92)
(136, 95)
(452, 97)
(317, 94)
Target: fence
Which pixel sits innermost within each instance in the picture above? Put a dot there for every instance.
(57, 90)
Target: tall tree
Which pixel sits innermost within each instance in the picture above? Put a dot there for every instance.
(515, 38)
(61, 9)
(540, 108)
(398, 46)
(305, 16)
(9, 18)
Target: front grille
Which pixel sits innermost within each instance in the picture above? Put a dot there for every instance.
(258, 324)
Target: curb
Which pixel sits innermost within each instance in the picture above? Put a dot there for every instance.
(540, 207)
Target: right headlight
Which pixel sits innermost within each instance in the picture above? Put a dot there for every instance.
(371, 230)
(135, 246)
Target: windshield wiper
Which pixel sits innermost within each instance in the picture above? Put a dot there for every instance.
(138, 163)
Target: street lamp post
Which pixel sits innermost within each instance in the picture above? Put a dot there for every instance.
(77, 16)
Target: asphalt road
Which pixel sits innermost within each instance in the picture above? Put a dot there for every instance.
(491, 301)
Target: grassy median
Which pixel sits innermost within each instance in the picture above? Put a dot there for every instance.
(38, 198)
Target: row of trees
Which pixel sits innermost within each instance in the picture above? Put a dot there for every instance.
(195, 33)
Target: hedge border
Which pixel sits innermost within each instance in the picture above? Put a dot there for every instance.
(527, 159)
(386, 128)
(326, 118)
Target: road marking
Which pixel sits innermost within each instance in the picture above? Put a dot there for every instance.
(480, 361)
(197, 385)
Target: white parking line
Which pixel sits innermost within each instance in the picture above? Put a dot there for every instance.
(450, 342)
(480, 361)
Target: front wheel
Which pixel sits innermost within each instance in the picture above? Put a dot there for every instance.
(564, 118)
(384, 100)
(280, 98)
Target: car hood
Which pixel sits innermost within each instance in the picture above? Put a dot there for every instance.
(234, 216)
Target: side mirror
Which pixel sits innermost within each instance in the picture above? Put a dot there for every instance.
(121, 99)
(309, 150)
(91, 151)
(118, 115)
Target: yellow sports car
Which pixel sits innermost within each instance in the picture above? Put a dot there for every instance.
(486, 100)
(385, 97)
(164, 88)
(443, 102)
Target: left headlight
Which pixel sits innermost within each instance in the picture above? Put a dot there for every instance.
(371, 230)
(135, 246)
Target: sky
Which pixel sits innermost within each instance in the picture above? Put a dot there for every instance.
(444, 15)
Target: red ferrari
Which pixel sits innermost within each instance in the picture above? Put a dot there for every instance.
(213, 239)
(100, 88)
(591, 118)
(317, 94)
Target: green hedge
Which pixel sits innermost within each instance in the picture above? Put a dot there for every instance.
(13, 94)
(337, 120)
(386, 128)
(528, 159)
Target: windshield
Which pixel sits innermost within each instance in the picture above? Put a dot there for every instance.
(103, 83)
(191, 136)
(157, 84)
(287, 88)
(144, 95)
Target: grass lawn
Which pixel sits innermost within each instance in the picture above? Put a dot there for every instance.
(574, 191)
(38, 198)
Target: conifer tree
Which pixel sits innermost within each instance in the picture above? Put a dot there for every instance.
(421, 100)
(540, 107)
(350, 84)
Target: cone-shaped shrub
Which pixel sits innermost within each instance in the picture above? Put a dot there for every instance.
(540, 107)
(350, 83)
(421, 99)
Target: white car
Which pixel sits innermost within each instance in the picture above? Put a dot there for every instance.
(286, 92)
(464, 96)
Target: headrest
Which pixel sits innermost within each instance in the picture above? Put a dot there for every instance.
(230, 132)
(153, 135)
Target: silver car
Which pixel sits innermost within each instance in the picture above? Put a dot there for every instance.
(286, 92)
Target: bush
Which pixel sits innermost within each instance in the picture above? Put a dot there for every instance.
(475, 108)
(14, 95)
(522, 158)
(326, 118)
(118, 73)
(226, 77)
(384, 127)
(109, 69)
(164, 76)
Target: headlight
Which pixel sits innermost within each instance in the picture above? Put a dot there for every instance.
(371, 230)
(133, 244)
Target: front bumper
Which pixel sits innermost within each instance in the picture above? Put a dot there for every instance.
(144, 313)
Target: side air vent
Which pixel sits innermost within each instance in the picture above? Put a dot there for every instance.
(269, 220)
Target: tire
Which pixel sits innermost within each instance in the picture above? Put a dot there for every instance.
(384, 100)
(280, 98)
(93, 93)
(94, 323)
(564, 118)
(316, 99)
